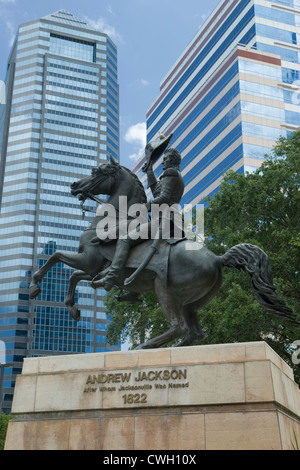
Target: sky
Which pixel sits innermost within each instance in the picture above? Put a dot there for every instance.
(150, 35)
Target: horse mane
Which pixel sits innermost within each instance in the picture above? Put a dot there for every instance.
(105, 169)
(110, 169)
(139, 188)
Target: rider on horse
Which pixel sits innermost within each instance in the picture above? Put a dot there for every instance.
(168, 190)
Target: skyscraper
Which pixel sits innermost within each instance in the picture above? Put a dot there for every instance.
(59, 120)
(231, 94)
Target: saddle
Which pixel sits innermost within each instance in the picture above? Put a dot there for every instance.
(158, 263)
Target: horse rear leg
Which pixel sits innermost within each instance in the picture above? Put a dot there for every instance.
(189, 311)
(172, 309)
(77, 261)
(195, 334)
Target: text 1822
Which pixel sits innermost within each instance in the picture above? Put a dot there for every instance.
(132, 398)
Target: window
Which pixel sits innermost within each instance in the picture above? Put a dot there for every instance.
(206, 63)
(74, 48)
(276, 33)
(275, 15)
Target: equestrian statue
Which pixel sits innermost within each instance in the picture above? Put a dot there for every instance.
(139, 252)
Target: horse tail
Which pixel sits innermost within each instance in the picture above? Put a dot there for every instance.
(253, 260)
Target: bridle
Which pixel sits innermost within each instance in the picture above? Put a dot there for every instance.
(88, 195)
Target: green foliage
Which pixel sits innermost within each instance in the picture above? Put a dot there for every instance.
(295, 445)
(135, 322)
(3, 430)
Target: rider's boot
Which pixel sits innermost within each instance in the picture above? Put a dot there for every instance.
(118, 263)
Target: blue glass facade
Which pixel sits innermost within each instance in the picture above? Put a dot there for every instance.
(63, 121)
(231, 94)
(73, 48)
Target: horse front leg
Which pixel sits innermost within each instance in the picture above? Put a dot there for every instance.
(77, 261)
(76, 277)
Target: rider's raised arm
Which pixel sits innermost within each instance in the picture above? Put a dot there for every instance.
(153, 184)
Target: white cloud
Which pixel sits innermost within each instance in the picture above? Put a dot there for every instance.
(203, 17)
(110, 10)
(6, 22)
(136, 135)
(101, 25)
(139, 82)
(144, 82)
(12, 32)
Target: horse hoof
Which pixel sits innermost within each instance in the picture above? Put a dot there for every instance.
(34, 291)
(129, 297)
(92, 284)
(75, 313)
(190, 341)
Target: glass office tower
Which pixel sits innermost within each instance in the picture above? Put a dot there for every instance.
(59, 120)
(232, 93)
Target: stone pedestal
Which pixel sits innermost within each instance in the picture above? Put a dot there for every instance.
(229, 396)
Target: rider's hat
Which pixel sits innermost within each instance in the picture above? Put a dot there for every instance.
(154, 149)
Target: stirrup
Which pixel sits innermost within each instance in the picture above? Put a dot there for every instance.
(106, 283)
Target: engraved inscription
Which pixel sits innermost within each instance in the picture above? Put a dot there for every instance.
(162, 375)
(137, 388)
(136, 398)
(108, 378)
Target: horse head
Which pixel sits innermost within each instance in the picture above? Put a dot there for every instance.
(112, 179)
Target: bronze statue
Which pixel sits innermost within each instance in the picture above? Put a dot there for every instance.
(184, 279)
(168, 190)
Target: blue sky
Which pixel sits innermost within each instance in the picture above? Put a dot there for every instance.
(150, 36)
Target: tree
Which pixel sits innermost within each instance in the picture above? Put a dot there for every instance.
(261, 208)
(3, 429)
(136, 322)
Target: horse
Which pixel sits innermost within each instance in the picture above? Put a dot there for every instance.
(194, 273)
